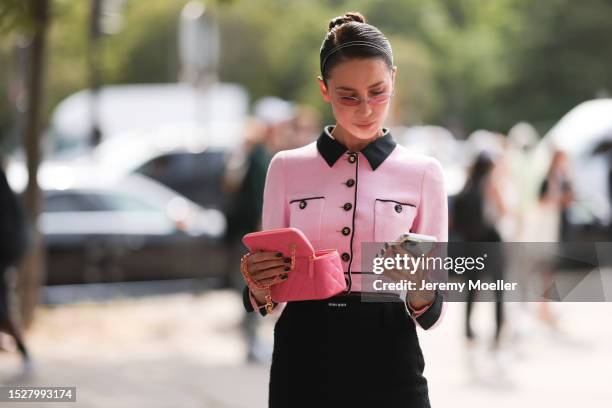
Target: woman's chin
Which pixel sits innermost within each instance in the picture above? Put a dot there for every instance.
(364, 132)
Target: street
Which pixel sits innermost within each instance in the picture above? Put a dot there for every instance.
(185, 350)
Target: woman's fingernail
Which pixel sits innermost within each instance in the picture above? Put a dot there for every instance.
(287, 260)
(287, 268)
(279, 254)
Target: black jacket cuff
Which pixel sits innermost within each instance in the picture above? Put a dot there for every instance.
(432, 314)
(246, 302)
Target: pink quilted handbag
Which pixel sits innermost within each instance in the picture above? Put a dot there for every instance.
(313, 275)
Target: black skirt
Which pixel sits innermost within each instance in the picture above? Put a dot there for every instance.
(346, 351)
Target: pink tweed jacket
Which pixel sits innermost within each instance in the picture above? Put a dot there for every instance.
(340, 199)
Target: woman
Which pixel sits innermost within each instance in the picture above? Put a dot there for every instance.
(352, 185)
(12, 226)
(555, 197)
(476, 209)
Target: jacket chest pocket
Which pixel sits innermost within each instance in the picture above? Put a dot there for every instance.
(306, 214)
(392, 219)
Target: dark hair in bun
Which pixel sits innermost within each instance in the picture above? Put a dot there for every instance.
(349, 36)
(347, 18)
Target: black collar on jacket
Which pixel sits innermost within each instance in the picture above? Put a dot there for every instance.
(375, 152)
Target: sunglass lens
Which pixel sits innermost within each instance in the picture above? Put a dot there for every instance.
(380, 99)
(346, 101)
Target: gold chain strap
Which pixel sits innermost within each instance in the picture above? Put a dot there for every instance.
(293, 247)
(251, 282)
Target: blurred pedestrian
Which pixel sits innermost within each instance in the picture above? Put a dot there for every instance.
(523, 139)
(557, 193)
(305, 127)
(14, 243)
(475, 211)
(549, 224)
(244, 180)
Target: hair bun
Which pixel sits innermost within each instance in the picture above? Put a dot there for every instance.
(346, 18)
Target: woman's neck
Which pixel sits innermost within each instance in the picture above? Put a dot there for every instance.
(351, 142)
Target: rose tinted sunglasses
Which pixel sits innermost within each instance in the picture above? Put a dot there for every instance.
(379, 99)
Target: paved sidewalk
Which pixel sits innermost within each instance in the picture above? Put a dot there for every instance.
(187, 351)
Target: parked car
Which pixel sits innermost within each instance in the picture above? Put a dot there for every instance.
(198, 176)
(135, 229)
(181, 163)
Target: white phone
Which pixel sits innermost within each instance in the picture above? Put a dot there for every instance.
(412, 237)
(411, 242)
(417, 244)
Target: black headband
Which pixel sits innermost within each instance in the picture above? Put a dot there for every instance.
(354, 44)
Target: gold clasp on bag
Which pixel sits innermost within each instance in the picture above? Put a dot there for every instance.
(311, 259)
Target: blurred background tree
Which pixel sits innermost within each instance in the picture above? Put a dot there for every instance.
(561, 55)
(464, 64)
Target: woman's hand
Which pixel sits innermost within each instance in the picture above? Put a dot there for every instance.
(417, 297)
(266, 269)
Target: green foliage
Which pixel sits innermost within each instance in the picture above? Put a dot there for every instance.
(561, 56)
(145, 51)
(15, 22)
(14, 16)
(66, 70)
(273, 48)
(465, 64)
